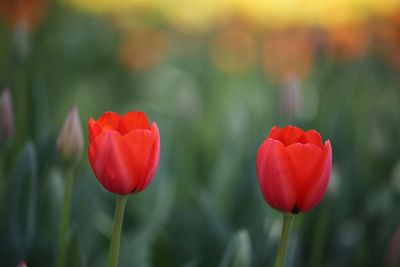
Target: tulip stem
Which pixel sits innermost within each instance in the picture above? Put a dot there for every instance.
(2, 164)
(319, 238)
(116, 234)
(62, 241)
(283, 244)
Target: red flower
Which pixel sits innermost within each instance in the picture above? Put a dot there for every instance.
(124, 151)
(293, 168)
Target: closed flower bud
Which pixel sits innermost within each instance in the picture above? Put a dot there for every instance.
(22, 264)
(124, 151)
(6, 117)
(293, 168)
(70, 139)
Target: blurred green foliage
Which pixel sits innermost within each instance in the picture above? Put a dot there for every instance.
(204, 207)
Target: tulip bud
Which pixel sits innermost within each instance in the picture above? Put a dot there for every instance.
(22, 264)
(6, 117)
(124, 151)
(293, 168)
(70, 139)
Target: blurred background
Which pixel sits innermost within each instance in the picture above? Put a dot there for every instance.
(215, 76)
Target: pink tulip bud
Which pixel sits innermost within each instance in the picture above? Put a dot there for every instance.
(22, 264)
(6, 116)
(70, 139)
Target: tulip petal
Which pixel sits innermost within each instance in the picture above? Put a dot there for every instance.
(312, 165)
(110, 159)
(133, 120)
(144, 153)
(317, 189)
(288, 135)
(109, 121)
(276, 175)
(313, 137)
(275, 133)
(292, 135)
(153, 160)
(305, 159)
(94, 129)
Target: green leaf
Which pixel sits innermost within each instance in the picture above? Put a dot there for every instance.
(22, 188)
(238, 251)
(74, 254)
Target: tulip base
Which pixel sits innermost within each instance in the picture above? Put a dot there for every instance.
(116, 234)
(283, 243)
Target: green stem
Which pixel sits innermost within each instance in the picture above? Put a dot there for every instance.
(2, 171)
(116, 234)
(62, 241)
(283, 244)
(319, 238)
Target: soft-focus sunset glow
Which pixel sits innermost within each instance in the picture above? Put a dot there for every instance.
(288, 52)
(143, 48)
(200, 14)
(234, 48)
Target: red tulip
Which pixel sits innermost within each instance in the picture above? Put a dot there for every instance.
(124, 151)
(293, 168)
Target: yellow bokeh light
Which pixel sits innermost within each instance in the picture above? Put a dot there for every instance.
(201, 14)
